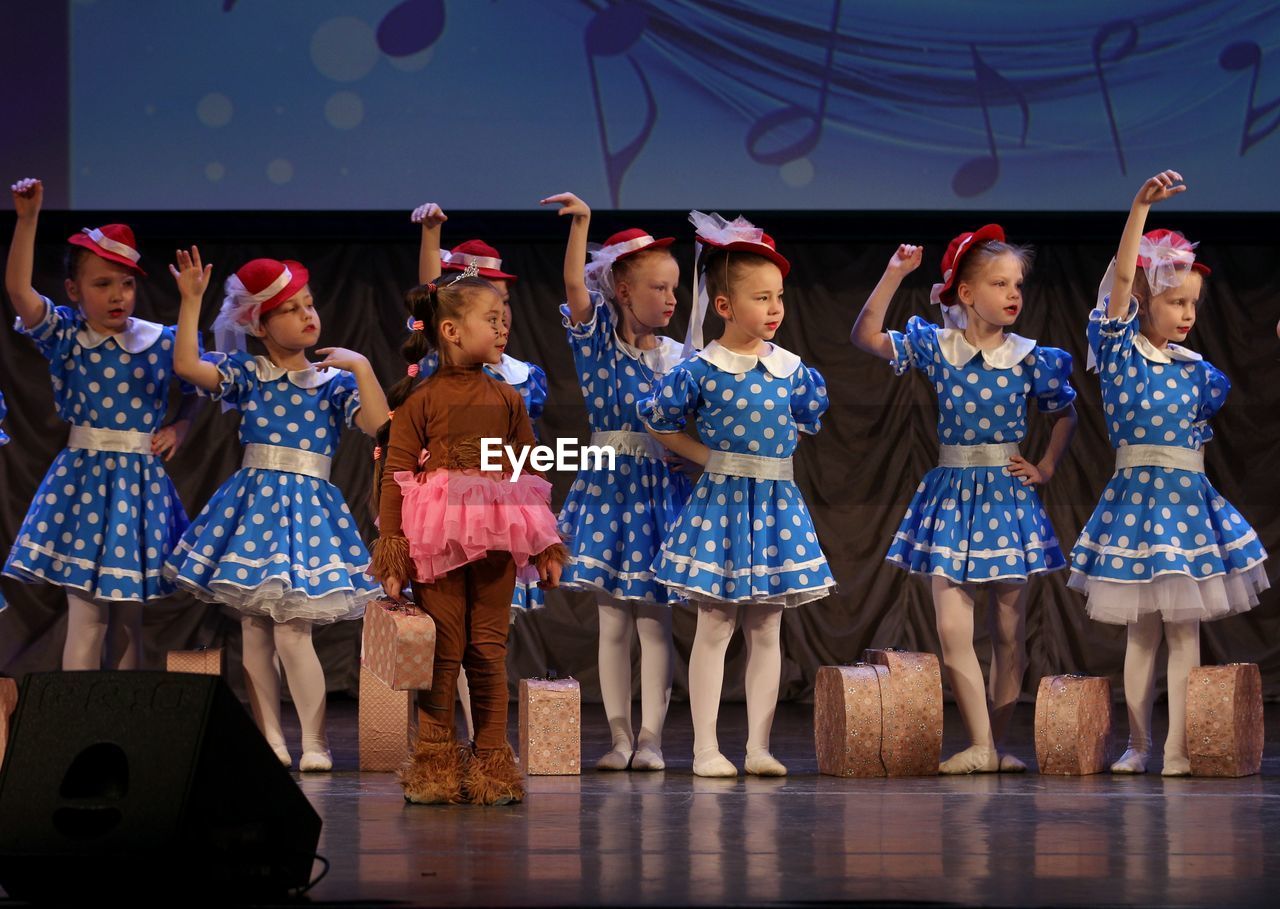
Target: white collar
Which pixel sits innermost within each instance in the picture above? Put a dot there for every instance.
(303, 378)
(957, 350)
(779, 362)
(138, 335)
(510, 370)
(1170, 352)
(660, 359)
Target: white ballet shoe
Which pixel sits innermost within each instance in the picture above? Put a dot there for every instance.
(1010, 764)
(1132, 761)
(1176, 766)
(762, 763)
(282, 755)
(974, 759)
(648, 758)
(315, 762)
(713, 764)
(614, 760)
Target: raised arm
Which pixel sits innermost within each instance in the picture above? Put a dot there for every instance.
(1160, 187)
(868, 331)
(28, 196)
(193, 278)
(575, 254)
(373, 400)
(430, 216)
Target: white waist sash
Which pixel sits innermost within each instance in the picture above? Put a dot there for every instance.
(996, 455)
(734, 464)
(91, 438)
(1160, 456)
(636, 444)
(289, 460)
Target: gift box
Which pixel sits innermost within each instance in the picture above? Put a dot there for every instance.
(1073, 725)
(388, 722)
(550, 716)
(1224, 720)
(847, 720)
(399, 644)
(911, 701)
(8, 704)
(202, 660)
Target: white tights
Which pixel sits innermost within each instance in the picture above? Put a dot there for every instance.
(92, 625)
(652, 622)
(263, 639)
(1140, 653)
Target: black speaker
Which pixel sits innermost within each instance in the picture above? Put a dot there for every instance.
(146, 784)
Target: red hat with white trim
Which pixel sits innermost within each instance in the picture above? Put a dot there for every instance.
(269, 282)
(631, 241)
(486, 259)
(113, 242)
(739, 235)
(1172, 247)
(959, 247)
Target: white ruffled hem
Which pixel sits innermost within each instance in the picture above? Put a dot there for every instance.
(277, 602)
(1177, 597)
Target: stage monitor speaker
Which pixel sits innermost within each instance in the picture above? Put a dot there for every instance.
(146, 784)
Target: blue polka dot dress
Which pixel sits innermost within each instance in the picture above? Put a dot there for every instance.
(103, 522)
(531, 381)
(979, 524)
(4, 412)
(274, 542)
(614, 522)
(1161, 539)
(743, 539)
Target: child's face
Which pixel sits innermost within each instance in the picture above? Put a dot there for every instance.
(105, 292)
(1171, 313)
(995, 293)
(294, 324)
(649, 290)
(754, 307)
(479, 335)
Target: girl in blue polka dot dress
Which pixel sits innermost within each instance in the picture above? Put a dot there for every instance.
(277, 542)
(107, 514)
(1163, 550)
(614, 521)
(744, 547)
(975, 525)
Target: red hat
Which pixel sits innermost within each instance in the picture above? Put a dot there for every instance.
(1172, 240)
(765, 246)
(487, 261)
(113, 242)
(956, 251)
(269, 282)
(631, 241)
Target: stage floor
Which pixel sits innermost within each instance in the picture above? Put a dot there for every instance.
(674, 839)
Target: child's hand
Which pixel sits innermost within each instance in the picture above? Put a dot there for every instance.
(906, 260)
(28, 196)
(549, 577)
(691, 469)
(1030, 474)
(429, 215)
(1162, 186)
(192, 276)
(166, 441)
(393, 587)
(341, 358)
(569, 205)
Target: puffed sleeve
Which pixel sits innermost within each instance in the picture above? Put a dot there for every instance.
(1111, 340)
(1213, 395)
(917, 347)
(344, 394)
(239, 374)
(809, 399)
(55, 332)
(675, 398)
(534, 392)
(1051, 379)
(594, 333)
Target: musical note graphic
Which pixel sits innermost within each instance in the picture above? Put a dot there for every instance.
(612, 33)
(797, 112)
(1128, 30)
(1243, 55)
(411, 27)
(978, 175)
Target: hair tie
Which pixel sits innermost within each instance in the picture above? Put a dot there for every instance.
(431, 287)
(413, 369)
(417, 325)
(390, 414)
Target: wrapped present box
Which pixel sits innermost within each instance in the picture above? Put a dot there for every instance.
(8, 703)
(1073, 725)
(847, 720)
(388, 724)
(202, 660)
(1224, 720)
(399, 644)
(911, 701)
(550, 715)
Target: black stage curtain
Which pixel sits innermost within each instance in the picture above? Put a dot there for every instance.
(857, 474)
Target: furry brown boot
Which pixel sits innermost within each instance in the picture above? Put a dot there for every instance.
(493, 777)
(434, 774)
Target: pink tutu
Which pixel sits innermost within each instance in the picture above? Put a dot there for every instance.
(456, 516)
